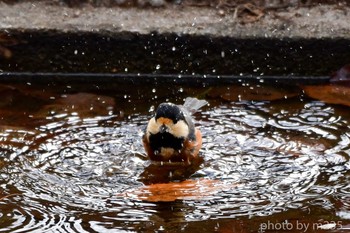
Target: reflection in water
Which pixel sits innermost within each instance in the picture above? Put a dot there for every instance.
(74, 162)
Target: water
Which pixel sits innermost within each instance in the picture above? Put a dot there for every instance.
(71, 160)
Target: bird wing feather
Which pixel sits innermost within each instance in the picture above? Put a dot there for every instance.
(192, 105)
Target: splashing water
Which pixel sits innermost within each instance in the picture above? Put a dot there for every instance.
(73, 162)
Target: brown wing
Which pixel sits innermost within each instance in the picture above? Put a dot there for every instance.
(191, 148)
(147, 147)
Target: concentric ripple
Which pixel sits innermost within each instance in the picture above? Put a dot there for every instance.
(73, 171)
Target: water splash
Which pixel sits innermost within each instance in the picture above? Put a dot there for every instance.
(66, 169)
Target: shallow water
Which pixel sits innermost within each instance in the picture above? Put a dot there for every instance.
(71, 160)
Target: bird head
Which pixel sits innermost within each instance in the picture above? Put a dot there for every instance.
(169, 118)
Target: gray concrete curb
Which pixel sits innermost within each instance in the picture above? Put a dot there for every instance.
(42, 37)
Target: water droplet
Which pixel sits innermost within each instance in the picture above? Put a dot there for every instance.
(173, 48)
(154, 90)
(158, 67)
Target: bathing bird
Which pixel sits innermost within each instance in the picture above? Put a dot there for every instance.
(171, 135)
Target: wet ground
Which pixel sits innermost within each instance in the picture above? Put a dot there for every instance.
(71, 160)
(169, 54)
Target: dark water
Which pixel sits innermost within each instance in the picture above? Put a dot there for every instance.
(71, 154)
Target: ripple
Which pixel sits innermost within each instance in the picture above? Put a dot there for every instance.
(28, 215)
(260, 158)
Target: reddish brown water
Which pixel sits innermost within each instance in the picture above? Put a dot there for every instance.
(71, 160)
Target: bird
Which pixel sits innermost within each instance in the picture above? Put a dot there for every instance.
(171, 136)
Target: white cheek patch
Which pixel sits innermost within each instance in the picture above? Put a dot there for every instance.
(179, 130)
(153, 126)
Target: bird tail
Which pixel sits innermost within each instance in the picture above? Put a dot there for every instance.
(193, 104)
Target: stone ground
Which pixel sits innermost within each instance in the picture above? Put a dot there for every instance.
(218, 18)
(219, 37)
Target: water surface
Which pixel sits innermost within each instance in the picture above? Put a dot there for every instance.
(71, 160)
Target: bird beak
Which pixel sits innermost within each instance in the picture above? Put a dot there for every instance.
(163, 129)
